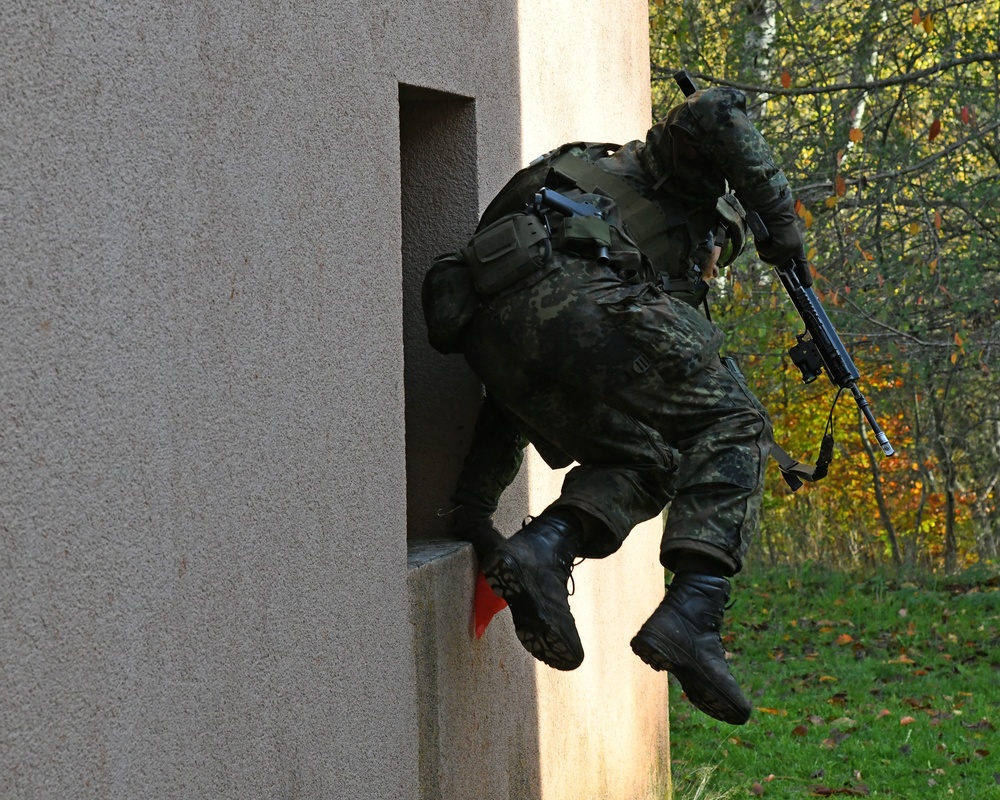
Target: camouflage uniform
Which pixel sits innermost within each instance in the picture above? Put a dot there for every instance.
(597, 364)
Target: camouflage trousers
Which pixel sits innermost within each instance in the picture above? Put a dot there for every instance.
(594, 364)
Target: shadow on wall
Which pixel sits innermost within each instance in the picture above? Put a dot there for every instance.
(439, 196)
(477, 699)
(440, 199)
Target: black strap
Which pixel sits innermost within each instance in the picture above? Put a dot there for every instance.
(645, 219)
(794, 472)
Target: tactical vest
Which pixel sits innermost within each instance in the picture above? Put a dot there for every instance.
(649, 223)
(573, 165)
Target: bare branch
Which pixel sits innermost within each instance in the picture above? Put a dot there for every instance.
(917, 167)
(777, 91)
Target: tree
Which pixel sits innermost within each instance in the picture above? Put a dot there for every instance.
(885, 118)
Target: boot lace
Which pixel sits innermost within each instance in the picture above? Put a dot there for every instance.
(564, 563)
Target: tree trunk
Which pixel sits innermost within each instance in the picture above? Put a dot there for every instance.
(883, 509)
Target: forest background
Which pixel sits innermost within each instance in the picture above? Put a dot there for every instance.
(884, 116)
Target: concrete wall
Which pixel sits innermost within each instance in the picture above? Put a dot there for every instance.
(203, 551)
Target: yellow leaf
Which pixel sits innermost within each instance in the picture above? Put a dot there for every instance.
(958, 340)
(807, 217)
(830, 202)
(856, 134)
(928, 23)
(933, 266)
(813, 252)
(937, 220)
(827, 679)
(774, 711)
(914, 228)
(954, 357)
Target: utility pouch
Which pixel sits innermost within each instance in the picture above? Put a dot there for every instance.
(585, 236)
(449, 302)
(501, 254)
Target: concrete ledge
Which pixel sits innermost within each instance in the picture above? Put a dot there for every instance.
(476, 699)
(494, 724)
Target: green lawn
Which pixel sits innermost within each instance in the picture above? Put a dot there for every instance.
(864, 688)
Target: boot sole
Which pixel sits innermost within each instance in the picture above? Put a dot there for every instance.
(538, 636)
(661, 656)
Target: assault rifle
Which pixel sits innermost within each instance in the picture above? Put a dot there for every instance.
(818, 348)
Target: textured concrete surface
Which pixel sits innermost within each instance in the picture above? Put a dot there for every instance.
(203, 446)
(498, 725)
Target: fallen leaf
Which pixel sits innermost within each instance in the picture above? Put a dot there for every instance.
(845, 638)
(906, 720)
(757, 789)
(800, 730)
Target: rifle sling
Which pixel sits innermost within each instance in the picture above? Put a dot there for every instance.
(794, 472)
(646, 221)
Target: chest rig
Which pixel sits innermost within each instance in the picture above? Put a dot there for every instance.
(663, 230)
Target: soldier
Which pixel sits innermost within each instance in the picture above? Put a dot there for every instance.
(581, 320)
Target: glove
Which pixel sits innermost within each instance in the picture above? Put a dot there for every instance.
(474, 524)
(773, 205)
(785, 242)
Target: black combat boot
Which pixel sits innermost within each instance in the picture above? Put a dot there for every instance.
(683, 638)
(530, 571)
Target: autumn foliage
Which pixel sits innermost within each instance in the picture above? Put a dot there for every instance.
(885, 118)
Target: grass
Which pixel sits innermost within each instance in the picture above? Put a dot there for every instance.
(872, 687)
